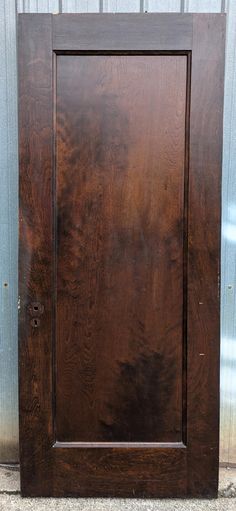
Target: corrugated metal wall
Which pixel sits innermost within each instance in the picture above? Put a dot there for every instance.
(228, 255)
(8, 234)
(9, 204)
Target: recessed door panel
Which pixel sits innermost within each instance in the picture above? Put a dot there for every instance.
(120, 219)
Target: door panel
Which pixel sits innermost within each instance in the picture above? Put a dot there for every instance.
(120, 156)
(120, 204)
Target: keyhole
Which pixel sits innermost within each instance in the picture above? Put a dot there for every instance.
(35, 322)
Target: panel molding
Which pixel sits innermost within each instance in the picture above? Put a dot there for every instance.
(187, 91)
(128, 445)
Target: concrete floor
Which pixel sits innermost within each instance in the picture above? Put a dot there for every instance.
(10, 499)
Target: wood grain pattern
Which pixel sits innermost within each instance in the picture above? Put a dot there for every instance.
(36, 245)
(123, 32)
(120, 202)
(204, 251)
(99, 225)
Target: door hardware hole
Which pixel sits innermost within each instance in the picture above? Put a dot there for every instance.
(35, 322)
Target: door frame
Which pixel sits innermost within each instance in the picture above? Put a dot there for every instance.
(48, 467)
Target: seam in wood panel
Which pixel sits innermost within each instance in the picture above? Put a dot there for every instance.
(185, 246)
(54, 241)
(121, 52)
(185, 215)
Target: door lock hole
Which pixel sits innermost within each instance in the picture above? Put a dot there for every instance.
(35, 322)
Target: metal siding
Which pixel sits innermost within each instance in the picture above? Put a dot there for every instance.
(46, 6)
(228, 255)
(121, 5)
(162, 5)
(38, 6)
(80, 6)
(203, 6)
(20, 5)
(8, 235)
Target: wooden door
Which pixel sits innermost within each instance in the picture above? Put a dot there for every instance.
(120, 160)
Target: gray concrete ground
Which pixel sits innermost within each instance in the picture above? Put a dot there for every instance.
(11, 500)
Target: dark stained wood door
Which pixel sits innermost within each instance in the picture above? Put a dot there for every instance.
(120, 159)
